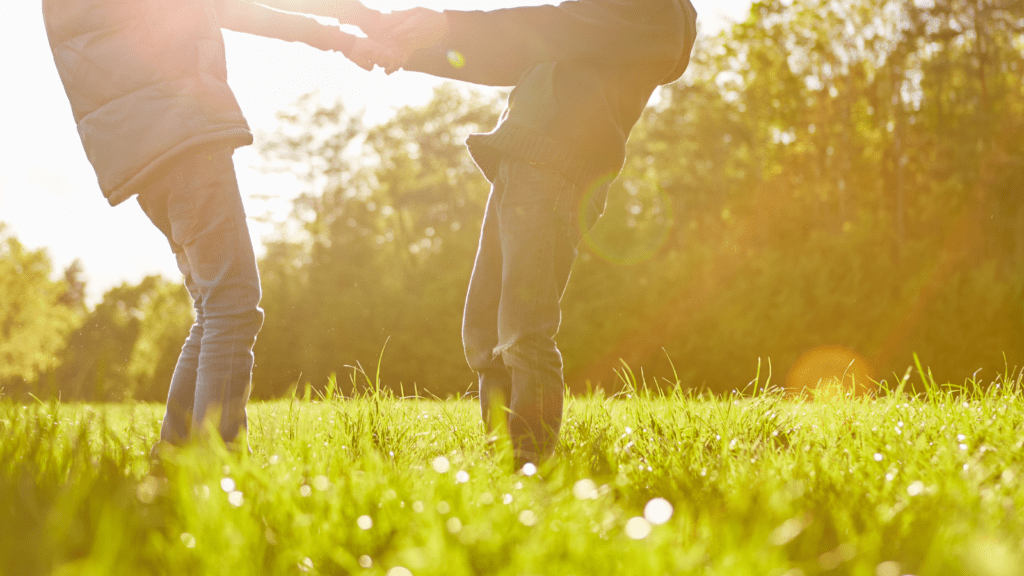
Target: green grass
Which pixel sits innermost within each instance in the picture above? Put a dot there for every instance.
(902, 484)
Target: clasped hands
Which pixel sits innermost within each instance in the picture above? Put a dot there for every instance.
(391, 37)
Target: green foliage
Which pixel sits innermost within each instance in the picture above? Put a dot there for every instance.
(167, 314)
(385, 249)
(925, 484)
(36, 314)
(128, 345)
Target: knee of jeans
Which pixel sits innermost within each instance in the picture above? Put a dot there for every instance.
(527, 348)
(245, 322)
(248, 313)
(478, 354)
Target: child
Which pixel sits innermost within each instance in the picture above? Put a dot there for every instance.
(583, 72)
(147, 84)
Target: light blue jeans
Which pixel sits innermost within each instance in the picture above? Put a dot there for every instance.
(195, 202)
(527, 248)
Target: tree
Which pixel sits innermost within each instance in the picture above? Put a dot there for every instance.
(843, 174)
(128, 345)
(34, 322)
(388, 226)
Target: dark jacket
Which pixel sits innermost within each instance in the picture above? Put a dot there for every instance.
(146, 80)
(583, 72)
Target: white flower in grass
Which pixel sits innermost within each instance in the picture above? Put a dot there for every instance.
(227, 484)
(364, 522)
(365, 561)
(529, 469)
(461, 477)
(585, 489)
(235, 498)
(453, 525)
(889, 568)
(787, 531)
(440, 465)
(147, 490)
(399, 571)
(528, 517)
(915, 488)
(638, 528)
(658, 511)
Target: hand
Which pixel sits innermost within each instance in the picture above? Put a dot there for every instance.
(415, 29)
(366, 52)
(355, 13)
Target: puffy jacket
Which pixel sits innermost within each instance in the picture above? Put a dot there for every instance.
(146, 80)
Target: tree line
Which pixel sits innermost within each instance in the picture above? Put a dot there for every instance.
(834, 186)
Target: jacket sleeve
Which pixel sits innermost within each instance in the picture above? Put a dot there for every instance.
(477, 67)
(346, 11)
(247, 17)
(609, 32)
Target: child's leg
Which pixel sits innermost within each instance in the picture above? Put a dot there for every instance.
(480, 321)
(205, 222)
(538, 246)
(177, 423)
(181, 395)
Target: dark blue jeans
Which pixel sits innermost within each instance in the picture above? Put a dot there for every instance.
(527, 249)
(196, 204)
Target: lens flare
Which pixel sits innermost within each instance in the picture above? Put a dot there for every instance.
(456, 59)
(830, 372)
(636, 223)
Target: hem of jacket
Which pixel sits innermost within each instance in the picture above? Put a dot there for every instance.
(234, 137)
(527, 144)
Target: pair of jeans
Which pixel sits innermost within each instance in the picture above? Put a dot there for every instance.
(196, 203)
(528, 242)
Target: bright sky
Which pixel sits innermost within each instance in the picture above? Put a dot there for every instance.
(48, 192)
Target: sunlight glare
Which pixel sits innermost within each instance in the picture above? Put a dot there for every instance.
(830, 373)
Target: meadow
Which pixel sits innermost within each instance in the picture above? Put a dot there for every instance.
(886, 484)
